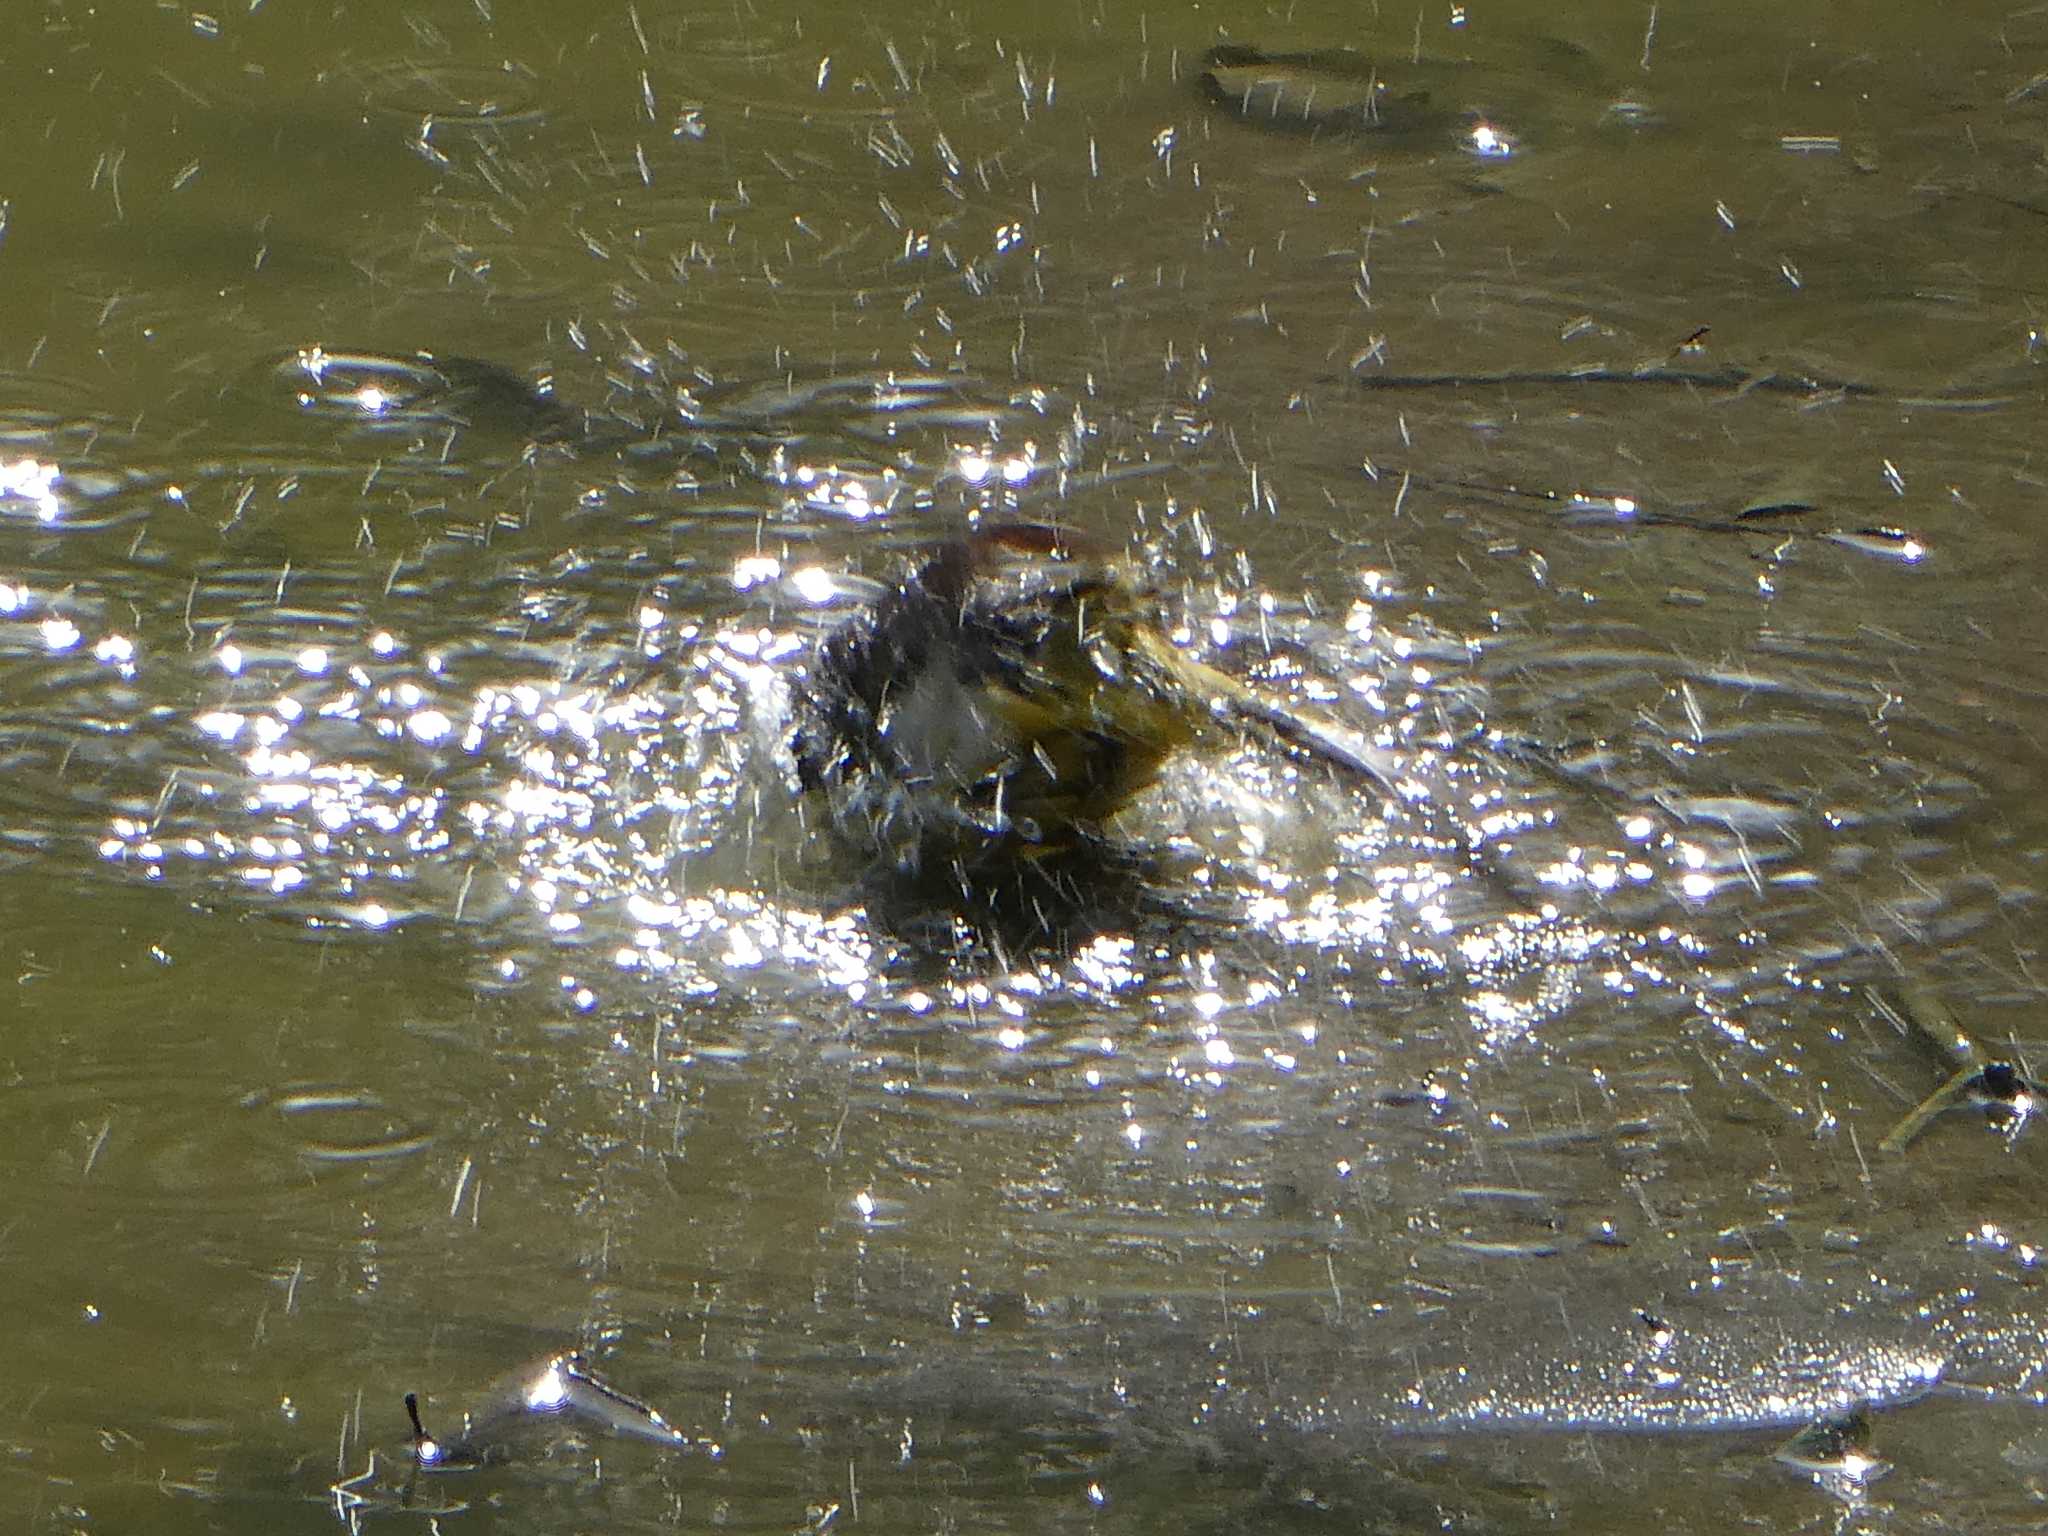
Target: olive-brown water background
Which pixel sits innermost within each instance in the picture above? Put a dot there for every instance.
(408, 971)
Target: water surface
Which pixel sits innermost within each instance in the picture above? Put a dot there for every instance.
(421, 962)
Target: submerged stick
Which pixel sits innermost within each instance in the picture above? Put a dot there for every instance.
(1998, 1085)
(557, 1386)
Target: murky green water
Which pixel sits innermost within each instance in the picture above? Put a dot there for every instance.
(420, 961)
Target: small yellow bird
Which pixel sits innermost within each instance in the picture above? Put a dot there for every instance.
(1006, 699)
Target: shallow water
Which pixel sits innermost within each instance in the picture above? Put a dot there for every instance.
(421, 962)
